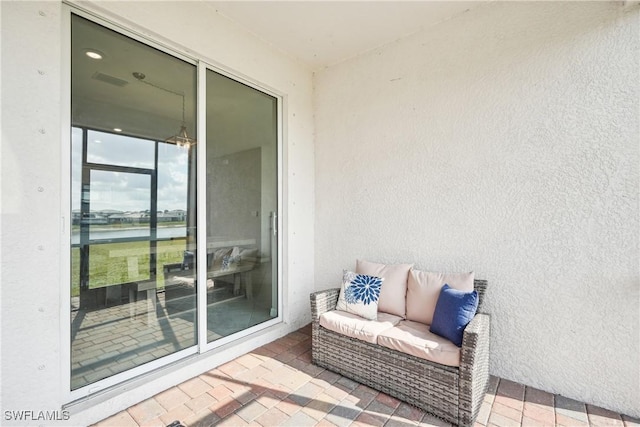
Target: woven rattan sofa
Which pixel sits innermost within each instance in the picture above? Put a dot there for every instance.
(233, 265)
(451, 393)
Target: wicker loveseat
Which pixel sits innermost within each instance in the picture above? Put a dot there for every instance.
(453, 393)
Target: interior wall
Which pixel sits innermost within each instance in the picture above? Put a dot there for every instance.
(234, 182)
(33, 181)
(503, 141)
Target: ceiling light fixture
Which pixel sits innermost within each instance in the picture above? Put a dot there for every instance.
(181, 139)
(117, 129)
(94, 54)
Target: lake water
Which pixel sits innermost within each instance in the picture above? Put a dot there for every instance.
(119, 233)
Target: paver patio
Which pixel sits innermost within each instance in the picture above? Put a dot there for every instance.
(277, 385)
(112, 339)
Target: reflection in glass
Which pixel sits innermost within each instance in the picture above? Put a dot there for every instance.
(119, 150)
(241, 204)
(130, 193)
(132, 206)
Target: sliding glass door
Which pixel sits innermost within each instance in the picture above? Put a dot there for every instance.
(133, 205)
(241, 207)
(145, 291)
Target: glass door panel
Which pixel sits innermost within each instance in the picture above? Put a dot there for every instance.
(133, 294)
(241, 206)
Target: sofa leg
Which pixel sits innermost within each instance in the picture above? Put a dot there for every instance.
(236, 284)
(248, 284)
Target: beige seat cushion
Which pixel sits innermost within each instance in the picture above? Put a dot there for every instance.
(423, 291)
(414, 338)
(358, 327)
(393, 293)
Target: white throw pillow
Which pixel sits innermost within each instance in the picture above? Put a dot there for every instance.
(359, 294)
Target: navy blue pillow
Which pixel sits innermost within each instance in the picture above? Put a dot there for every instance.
(454, 310)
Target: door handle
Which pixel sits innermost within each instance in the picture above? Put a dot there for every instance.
(274, 223)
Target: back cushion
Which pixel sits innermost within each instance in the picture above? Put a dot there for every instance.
(248, 257)
(424, 288)
(394, 287)
(218, 255)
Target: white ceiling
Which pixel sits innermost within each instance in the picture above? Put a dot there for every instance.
(323, 33)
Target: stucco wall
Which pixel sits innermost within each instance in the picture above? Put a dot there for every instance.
(505, 141)
(33, 323)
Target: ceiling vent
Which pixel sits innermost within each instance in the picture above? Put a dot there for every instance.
(109, 79)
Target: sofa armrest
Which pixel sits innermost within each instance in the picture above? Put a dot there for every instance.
(323, 301)
(474, 367)
(476, 330)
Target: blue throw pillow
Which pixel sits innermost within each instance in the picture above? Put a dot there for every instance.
(454, 310)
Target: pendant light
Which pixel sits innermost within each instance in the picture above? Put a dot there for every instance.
(182, 138)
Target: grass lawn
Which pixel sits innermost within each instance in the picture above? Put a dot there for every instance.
(116, 263)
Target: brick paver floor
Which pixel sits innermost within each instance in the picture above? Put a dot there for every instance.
(120, 337)
(277, 385)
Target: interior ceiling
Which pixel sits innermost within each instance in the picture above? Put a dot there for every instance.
(106, 94)
(323, 33)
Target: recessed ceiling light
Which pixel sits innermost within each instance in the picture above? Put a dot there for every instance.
(97, 141)
(117, 129)
(93, 54)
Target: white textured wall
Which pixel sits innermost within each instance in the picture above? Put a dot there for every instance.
(506, 141)
(32, 180)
